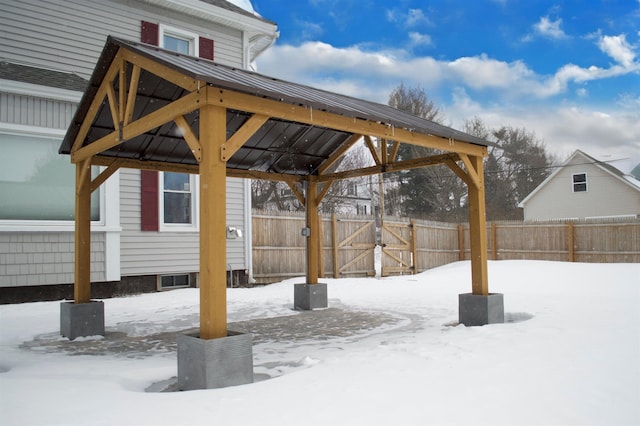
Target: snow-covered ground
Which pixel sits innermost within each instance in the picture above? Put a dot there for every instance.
(569, 354)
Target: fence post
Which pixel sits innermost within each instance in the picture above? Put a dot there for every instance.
(570, 243)
(320, 248)
(334, 235)
(461, 242)
(494, 241)
(414, 247)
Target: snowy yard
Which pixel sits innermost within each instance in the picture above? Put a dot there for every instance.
(568, 354)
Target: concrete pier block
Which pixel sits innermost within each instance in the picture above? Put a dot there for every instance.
(81, 319)
(476, 309)
(310, 296)
(214, 363)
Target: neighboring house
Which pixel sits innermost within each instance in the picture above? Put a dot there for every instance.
(348, 197)
(584, 188)
(145, 224)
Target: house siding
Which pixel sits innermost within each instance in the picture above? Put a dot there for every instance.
(33, 111)
(43, 258)
(69, 36)
(144, 252)
(606, 195)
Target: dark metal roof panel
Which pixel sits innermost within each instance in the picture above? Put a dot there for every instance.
(279, 146)
(260, 85)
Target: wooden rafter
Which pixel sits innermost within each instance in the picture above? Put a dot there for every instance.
(372, 149)
(295, 189)
(162, 71)
(150, 121)
(160, 166)
(275, 109)
(470, 170)
(323, 193)
(254, 174)
(394, 151)
(96, 102)
(105, 174)
(391, 167)
(189, 136)
(384, 154)
(338, 153)
(122, 85)
(131, 97)
(113, 106)
(459, 171)
(240, 137)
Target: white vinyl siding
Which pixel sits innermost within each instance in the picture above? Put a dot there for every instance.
(70, 35)
(145, 253)
(33, 111)
(607, 195)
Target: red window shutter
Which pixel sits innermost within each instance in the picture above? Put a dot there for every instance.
(149, 221)
(149, 200)
(150, 33)
(206, 48)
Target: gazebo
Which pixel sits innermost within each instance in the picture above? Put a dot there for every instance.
(152, 109)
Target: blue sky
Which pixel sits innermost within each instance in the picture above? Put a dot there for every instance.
(568, 70)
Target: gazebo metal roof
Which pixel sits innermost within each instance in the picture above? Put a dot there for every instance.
(280, 145)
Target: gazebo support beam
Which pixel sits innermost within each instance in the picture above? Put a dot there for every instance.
(215, 357)
(311, 295)
(82, 317)
(82, 241)
(213, 235)
(478, 307)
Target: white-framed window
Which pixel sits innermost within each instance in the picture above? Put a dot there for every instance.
(579, 182)
(37, 185)
(352, 189)
(178, 201)
(179, 40)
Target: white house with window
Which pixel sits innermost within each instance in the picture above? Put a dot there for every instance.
(145, 224)
(584, 188)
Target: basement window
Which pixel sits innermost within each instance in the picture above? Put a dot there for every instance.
(168, 282)
(579, 182)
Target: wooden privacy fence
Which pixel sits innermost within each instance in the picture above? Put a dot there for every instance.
(411, 246)
(348, 245)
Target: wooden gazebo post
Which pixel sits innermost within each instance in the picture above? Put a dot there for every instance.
(311, 295)
(82, 317)
(478, 307)
(215, 357)
(213, 236)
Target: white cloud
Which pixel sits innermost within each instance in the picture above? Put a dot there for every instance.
(502, 93)
(312, 61)
(548, 28)
(418, 39)
(618, 48)
(410, 18)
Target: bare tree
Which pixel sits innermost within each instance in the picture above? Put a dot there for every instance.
(517, 163)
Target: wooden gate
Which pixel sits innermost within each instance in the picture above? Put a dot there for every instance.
(352, 247)
(398, 248)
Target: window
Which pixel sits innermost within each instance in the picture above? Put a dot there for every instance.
(579, 182)
(172, 207)
(179, 40)
(36, 183)
(175, 281)
(352, 189)
(177, 204)
(177, 199)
